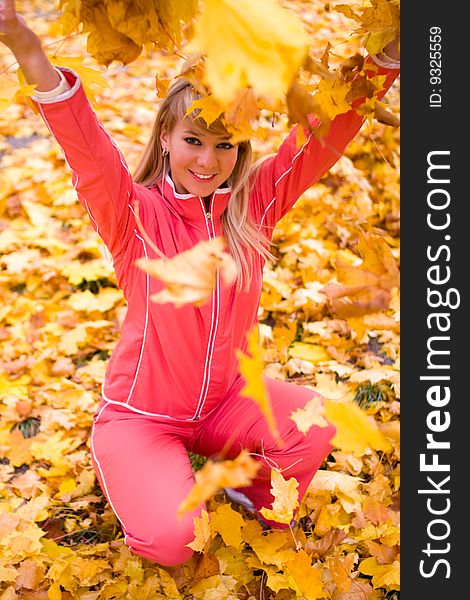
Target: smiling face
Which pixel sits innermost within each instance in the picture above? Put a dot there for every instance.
(200, 161)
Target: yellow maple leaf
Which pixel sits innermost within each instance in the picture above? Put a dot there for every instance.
(191, 276)
(11, 90)
(148, 590)
(54, 592)
(18, 450)
(30, 574)
(91, 79)
(104, 42)
(365, 288)
(331, 99)
(337, 483)
(251, 368)
(240, 114)
(55, 448)
(67, 485)
(209, 107)
(273, 548)
(76, 272)
(386, 576)
(17, 388)
(332, 516)
(311, 414)
(102, 302)
(249, 43)
(202, 532)
(305, 579)
(340, 568)
(228, 523)
(380, 20)
(8, 574)
(286, 498)
(354, 431)
(168, 584)
(215, 475)
(311, 352)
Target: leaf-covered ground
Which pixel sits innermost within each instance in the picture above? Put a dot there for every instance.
(59, 321)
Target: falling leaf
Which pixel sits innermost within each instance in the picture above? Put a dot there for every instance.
(11, 90)
(241, 114)
(215, 475)
(366, 288)
(354, 431)
(331, 97)
(249, 43)
(161, 86)
(92, 80)
(380, 20)
(191, 276)
(251, 369)
(311, 414)
(385, 116)
(209, 109)
(286, 498)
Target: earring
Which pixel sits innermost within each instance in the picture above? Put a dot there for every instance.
(165, 152)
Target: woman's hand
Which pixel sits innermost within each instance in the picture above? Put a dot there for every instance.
(392, 49)
(14, 32)
(27, 48)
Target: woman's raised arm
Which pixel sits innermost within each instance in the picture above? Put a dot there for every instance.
(100, 174)
(27, 48)
(282, 178)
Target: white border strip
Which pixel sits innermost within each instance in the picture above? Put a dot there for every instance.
(284, 174)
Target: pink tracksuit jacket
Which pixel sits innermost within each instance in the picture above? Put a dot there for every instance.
(176, 363)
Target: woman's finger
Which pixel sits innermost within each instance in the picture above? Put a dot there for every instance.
(8, 9)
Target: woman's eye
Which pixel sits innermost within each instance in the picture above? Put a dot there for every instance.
(225, 145)
(192, 141)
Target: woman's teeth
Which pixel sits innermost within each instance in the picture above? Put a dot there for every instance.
(200, 176)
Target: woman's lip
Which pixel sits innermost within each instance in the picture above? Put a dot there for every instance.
(199, 178)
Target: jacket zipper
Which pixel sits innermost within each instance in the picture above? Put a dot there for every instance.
(214, 320)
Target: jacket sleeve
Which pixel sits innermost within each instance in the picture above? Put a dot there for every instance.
(100, 174)
(283, 178)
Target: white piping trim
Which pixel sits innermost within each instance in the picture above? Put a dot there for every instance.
(140, 411)
(144, 336)
(180, 196)
(75, 177)
(102, 475)
(121, 156)
(285, 173)
(225, 190)
(208, 359)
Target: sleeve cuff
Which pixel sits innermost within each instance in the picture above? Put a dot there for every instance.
(383, 60)
(59, 89)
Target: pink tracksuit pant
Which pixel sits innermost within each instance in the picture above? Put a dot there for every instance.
(143, 467)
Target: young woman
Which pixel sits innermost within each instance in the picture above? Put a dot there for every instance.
(172, 384)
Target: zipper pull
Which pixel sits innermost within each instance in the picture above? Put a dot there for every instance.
(209, 215)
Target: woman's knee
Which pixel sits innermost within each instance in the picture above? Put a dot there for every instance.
(168, 549)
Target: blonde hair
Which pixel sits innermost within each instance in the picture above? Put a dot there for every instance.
(245, 241)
